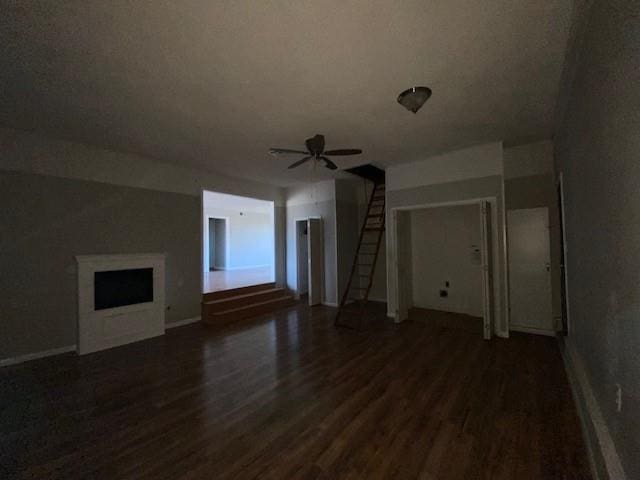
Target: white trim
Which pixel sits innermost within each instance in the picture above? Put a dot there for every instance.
(590, 414)
(330, 304)
(538, 331)
(180, 323)
(5, 362)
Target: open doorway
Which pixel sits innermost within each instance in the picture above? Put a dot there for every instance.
(238, 242)
(218, 243)
(309, 260)
(444, 264)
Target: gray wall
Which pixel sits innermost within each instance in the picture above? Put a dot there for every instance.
(598, 152)
(46, 221)
(483, 187)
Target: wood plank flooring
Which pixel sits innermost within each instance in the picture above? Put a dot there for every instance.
(287, 396)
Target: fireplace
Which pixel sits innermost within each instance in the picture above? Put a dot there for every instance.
(120, 299)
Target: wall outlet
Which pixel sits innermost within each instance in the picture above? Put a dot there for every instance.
(444, 293)
(618, 398)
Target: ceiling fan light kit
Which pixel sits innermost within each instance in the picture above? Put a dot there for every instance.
(315, 150)
(414, 98)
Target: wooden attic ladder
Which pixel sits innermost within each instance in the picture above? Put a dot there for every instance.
(355, 297)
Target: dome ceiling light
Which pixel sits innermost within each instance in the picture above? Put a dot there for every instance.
(413, 98)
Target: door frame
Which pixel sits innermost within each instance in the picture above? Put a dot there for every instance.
(227, 240)
(497, 303)
(295, 249)
(565, 249)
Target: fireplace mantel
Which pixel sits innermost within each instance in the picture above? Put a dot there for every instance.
(101, 329)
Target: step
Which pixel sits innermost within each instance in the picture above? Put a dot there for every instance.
(229, 303)
(210, 296)
(226, 317)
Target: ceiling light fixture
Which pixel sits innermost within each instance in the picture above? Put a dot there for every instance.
(413, 98)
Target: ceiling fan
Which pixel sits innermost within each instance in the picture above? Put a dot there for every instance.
(315, 150)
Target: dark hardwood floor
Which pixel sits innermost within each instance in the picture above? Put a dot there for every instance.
(288, 396)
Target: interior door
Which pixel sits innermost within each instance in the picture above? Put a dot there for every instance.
(529, 265)
(487, 269)
(314, 249)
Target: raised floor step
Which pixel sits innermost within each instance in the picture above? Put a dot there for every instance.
(233, 292)
(225, 317)
(229, 303)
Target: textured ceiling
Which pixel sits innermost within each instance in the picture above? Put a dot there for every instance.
(215, 84)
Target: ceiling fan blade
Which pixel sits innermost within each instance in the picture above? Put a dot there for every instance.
(278, 151)
(344, 151)
(299, 162)
(330, 164)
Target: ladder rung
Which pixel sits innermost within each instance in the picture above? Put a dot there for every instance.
(376, 215)
(373, 229)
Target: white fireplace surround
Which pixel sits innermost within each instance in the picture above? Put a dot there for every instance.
(101, 329)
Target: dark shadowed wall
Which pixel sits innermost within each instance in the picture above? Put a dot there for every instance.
(598, 153)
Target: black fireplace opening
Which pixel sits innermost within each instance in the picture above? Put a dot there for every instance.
(117, 288)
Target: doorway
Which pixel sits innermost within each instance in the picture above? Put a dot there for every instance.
(309, 260)
(238, 242)
(443, 260)
(218, 244)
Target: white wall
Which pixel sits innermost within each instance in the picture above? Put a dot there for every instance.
(250, 237)
(474, 162)
(443, 241)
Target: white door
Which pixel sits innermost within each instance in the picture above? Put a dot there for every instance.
(529, 277)
(314, 249)
(487, 269)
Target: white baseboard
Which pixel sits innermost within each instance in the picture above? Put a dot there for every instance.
(330, 304)
(538, 331)
(34, 356)
(600, 447)
(181, 323)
